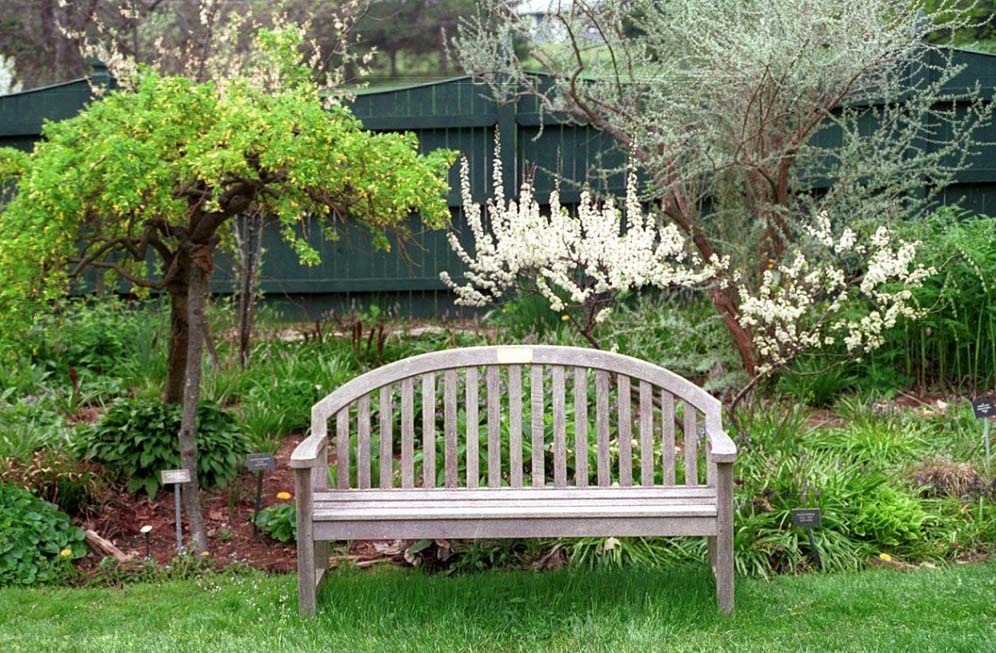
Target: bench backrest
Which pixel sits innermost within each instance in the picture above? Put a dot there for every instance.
(647, 423)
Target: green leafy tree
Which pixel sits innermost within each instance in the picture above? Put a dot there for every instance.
(156, 172)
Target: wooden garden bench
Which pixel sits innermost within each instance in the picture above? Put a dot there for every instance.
(672, 492)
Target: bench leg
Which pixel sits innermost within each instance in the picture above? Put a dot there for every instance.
(306, 578)
(321, 563)
(724, 537)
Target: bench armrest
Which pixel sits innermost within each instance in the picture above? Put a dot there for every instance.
(721, 448)
(307, 454)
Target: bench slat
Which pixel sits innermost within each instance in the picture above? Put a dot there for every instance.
(408, 432)
(417, 529)
(580, 426)
(494, 427)
(536, 423)
(625, 406)
(342, 448)
(414, 504)
(386, 439)
(450, 426)
(646, 434)
(363, 442)
(602, 425)
(559, 427)
(515, 425)
(604, 493)
(667, 424)
(429, 429)
(691, 446)
(473, 428)
(499, 510)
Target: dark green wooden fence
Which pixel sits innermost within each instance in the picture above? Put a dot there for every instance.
(460, 115)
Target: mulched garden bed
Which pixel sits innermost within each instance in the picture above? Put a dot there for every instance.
(227, 517)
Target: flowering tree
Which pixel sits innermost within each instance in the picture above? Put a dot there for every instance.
(831, 288)
(768, 129)
(157, 172)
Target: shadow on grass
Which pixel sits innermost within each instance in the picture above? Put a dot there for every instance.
(520, 602)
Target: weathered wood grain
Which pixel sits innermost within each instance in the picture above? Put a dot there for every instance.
(494, 427)
(646, 434)
(602, 426)
(407, 432)
(363, 442)
(473, 427)
(450, 428)
(429, 429)
(581, 426)
(559, 426)
(667, 426)
(536, 425)
(515, 425)
(386, 439)
(625, 405)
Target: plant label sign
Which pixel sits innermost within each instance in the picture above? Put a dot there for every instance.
(984, 407)
(261, 462)
(806, 517)
(173, 476)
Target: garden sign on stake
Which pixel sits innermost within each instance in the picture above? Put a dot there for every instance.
(175, 477)
(984, 408)
(259, 463)
(809, 518)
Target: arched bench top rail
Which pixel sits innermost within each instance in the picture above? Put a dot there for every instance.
(307, 453)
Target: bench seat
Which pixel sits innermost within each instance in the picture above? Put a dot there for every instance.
(537, 512)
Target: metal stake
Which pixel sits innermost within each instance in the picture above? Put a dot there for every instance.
(259, 496)
(985, 431)
(179, 525)
(814, 549)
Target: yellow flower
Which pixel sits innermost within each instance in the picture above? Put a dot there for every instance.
(565, 317)
(205, 554)
(65, 553)
(885, 557)
(283, 496)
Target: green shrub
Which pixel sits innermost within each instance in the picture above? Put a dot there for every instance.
(91, 335)
(889, 517)
(279, 521)
(36, 540)
(137, 439)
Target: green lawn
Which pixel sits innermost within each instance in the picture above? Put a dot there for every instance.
(951, 609)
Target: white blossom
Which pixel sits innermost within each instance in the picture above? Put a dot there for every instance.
(578, 258)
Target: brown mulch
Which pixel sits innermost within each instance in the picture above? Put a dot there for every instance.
(227, 518)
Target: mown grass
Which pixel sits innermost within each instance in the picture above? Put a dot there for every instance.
(949, 609)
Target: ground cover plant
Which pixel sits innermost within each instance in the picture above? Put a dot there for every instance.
(36, 540)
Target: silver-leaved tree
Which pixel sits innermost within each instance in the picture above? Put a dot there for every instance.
(780, 137)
